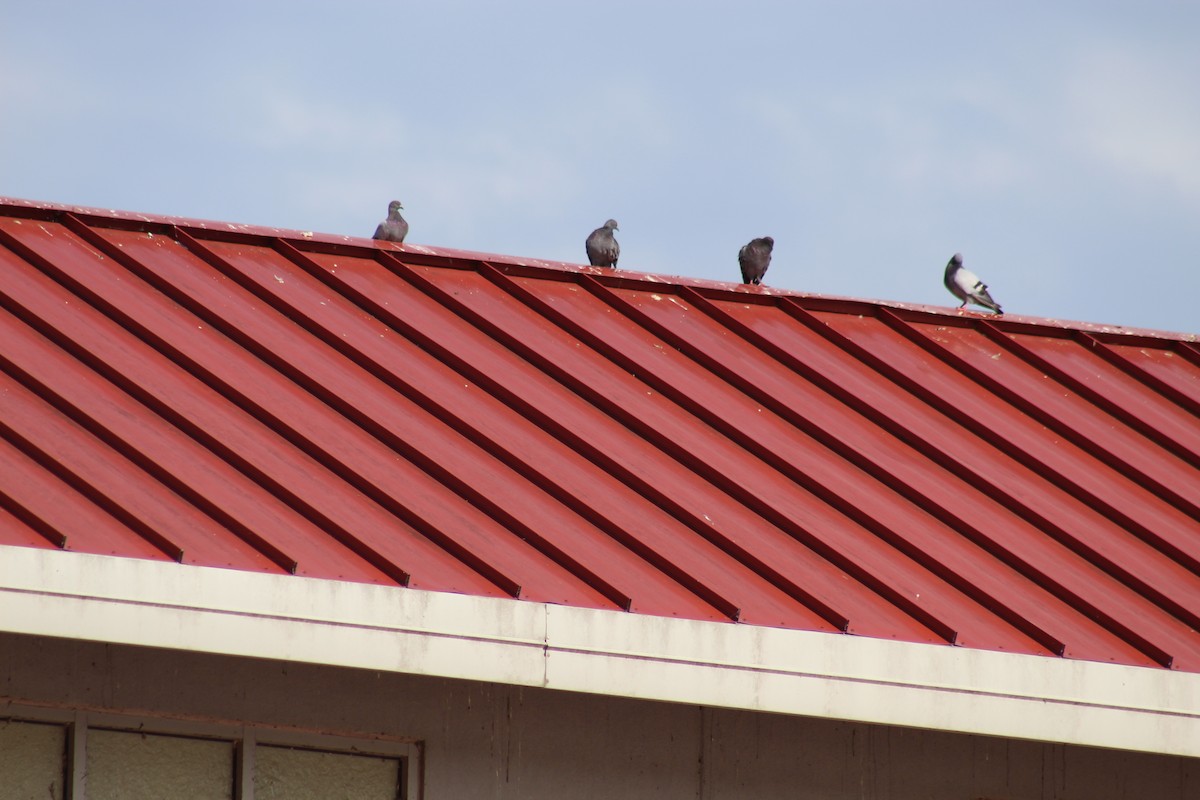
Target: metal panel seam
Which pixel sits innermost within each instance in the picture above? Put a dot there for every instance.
(1122, 362)
(1189, 350)
(780, 464)
(897, 484)
(1059, 480)
(83, 487)
(150, 467)
(202, 437)
(389, 503)
(1094, 448)
(434, 470)
(1112, 409)
(679, 452)
(978, 428)
(567, 438)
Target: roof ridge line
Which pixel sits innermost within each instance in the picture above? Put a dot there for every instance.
(1045, 324)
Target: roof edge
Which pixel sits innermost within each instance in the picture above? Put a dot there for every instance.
(232, 228)
(335, 623)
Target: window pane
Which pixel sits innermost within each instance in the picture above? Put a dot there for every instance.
(280, 772)
(135, 766)
(32, 759)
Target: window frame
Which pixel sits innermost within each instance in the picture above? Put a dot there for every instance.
(245, 738)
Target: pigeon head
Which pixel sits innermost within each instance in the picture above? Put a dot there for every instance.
(956, 259)
(768, 241)
(612, 225)
(394, 206)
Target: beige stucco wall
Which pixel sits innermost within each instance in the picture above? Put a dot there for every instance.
(493, 741)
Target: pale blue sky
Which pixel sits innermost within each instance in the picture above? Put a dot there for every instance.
(1056, 145)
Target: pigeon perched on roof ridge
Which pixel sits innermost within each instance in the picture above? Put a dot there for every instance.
(754, 258)
(395, 227)
(601, 245)
(966, 285)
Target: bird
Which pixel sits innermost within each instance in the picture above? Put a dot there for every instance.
(966, 286)
(602, 247)
(754, 258)
(395, 227)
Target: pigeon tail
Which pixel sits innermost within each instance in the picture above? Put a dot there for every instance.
(984, 299)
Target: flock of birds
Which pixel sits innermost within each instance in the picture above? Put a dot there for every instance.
(754, 257)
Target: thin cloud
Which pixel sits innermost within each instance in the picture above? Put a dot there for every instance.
(1136, 114)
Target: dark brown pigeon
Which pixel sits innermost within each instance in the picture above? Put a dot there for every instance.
(394, 228)
(754, 258)
(602, 247)
(966, 286)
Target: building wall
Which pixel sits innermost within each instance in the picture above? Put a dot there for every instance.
(493, 741)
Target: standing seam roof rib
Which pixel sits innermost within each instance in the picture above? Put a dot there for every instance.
(283, 402)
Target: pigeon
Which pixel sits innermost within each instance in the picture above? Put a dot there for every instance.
(602, 247)
(754, 258)
(966, 286)
(394, 228)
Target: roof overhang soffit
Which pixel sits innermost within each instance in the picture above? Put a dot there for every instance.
(166, 605)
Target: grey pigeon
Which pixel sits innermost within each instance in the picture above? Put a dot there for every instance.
(966, 286)
(754, 258)
(394, 228)
(602, 247)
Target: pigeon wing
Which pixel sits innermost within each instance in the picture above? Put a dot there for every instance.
(744, 261)
(392, 230)
(981, 296)
(962, 283)
(967, 286)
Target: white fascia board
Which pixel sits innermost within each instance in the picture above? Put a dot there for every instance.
(168, 605)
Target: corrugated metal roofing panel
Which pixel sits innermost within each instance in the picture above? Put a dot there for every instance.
(14, 531)
(47, 504)
(1174, 372)
(270, 400)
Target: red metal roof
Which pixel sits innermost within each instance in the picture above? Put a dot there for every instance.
(281, 401)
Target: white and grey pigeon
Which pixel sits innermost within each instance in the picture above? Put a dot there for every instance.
(602, 247)
(754, 258)
(395, 227)
(966, 286)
